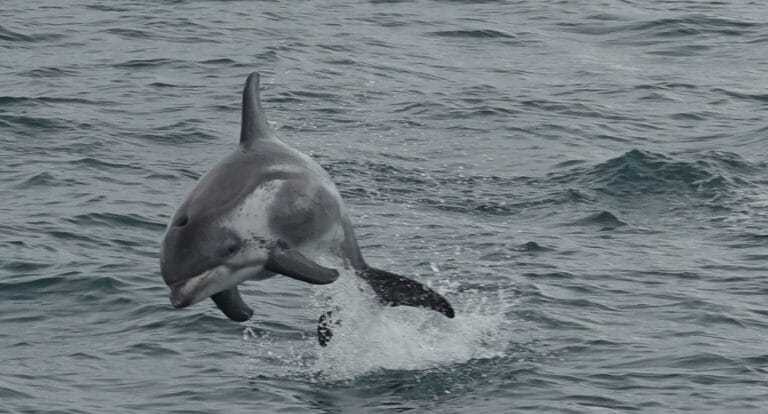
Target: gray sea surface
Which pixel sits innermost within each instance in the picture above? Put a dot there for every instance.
(586, 182)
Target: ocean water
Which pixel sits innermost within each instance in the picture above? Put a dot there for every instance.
(585, 181)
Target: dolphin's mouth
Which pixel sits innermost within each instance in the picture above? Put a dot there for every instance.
(206, 284)
(193, 290)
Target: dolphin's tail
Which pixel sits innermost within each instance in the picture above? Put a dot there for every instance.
(396, 290)
(392, 290)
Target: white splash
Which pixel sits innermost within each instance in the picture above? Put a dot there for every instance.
(371, 337)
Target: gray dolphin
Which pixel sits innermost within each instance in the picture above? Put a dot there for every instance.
(267, 209)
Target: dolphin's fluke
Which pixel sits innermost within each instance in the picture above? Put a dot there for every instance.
(232, 305)
(293, 264)
(396, 290)
(254, 122)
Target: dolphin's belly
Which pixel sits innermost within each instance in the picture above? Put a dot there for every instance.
(307, 214)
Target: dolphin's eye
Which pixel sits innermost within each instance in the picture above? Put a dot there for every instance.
(182, 221)
(232, 249)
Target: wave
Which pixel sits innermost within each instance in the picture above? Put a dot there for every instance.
(706, 179)
(147, 63)
(670, 27)
(476, 33)
(758, 97)
(606, 219)
(47, 72)
(158, 33)
(47, 179)
(640, 173)
(8, 393)
(444, 190)
(116, 221)
(9, 35)
(26, 100)
(129, 33)
(25, 122)
(30, 287)
(183, 132)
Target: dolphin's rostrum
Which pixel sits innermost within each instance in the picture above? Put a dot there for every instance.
(267, 209)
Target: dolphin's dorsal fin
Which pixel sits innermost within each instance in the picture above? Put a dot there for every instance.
(254, 124)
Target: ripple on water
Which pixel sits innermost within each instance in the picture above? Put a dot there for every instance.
(483, 146)
(8, 35)
(116, 220)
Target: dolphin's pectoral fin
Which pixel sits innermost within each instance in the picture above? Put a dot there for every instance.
(396, 290)
(293, 264)
(232, 305)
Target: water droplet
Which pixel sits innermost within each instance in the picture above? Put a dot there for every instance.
(433, 266)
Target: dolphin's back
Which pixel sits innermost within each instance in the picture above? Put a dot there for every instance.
(234, 178)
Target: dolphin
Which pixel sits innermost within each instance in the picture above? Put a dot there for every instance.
(267, 209)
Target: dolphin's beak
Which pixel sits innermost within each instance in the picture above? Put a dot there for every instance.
(190, 291)
(193, 290)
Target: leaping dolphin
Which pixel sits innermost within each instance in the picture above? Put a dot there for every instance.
(267, 209)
